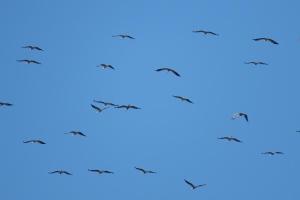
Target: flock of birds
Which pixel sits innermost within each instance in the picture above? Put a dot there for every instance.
(106, 105)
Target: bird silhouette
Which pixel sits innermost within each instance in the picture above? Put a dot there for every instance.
(238, 115)
(34, 141)
(145, 171)
(183, 98)
(127, 107)
(272, 153)
(106, 103)
(230, 139)
(104, 66)
(60, 172)
(75, 133)
(29, 61)
(168, 70)
(124, 36)
(97, 108)
(32, 47)
(256, 63)
(266, 40)
(5, 104)
(193, 185)
(206, 32)
(100, 171)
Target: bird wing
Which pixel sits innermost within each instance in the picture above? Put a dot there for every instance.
(246, 117)
(174, 72)
(189, 183)
(96, 108)
(272, 41)
(140, 169)
(35, 62)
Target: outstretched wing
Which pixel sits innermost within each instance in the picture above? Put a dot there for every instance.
(189, 183)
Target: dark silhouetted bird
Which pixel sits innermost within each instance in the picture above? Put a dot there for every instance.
(104, 66)
(272, 153)
(60, 172)
(205, 32)
(100, 171)
(266, 40)
(127, 107)
(33, 47)
(75, 133)
(106, 103)
(29, 61)
(97, 108)
(124, 36)
(183, 98)
(239, 114)
(168, 70)
(34, 141)
(5, 104)
(256, 63)
(230, 139)
(192, 185)
(145, 171)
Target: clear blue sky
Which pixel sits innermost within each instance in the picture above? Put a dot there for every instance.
(176, 139)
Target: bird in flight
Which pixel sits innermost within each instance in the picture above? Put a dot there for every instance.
(239, 114)
(192, 185)
(127, 107)
(104, 66)
(32, 47)
(34, 141)
(60, 172)
(97, 108)
(266, 40)
(272, 153)
(256, 63)
(75, 133)
(29, 61)
(5, 104)
(183, 98)
(100, 171)
(168, 70)
(230, 139)
(145, 171)
(106, 103)
(206, 32)
(124, 36)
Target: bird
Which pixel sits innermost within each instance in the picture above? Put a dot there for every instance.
(238, 115)
(5, 104)
(192, 185)
(127, 107)
(183, 98)
(97, 108)
(168, 70)
(100, 171)
(145, 171)
(104, 66)
(206, 32)
(106, 103)
(256, 63)
(298, 131)
(124, 36)
(230, 139)
(34, 141)
(32, 47)
(60, 172)
(29, 61)
(266, 40)
(74, 133)
(272, 153)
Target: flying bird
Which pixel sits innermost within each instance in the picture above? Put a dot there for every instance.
(168, 70)
(127, 107)
(230, 139)
(238, 115)
(97, 108)
(206, 32)
(183, 98)
(104, 66)
(192, 185)
(60, 172)
(34, 141)
(272, 153)
(145, 171)
(75, 133)
(32, 47)
(106, 103)
(5, 104)
(29, 61)
(124, 36)
(266, 40)
(100, 171)
(256, 63)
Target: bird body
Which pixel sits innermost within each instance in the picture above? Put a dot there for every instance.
(206, 32)
(104, 66)
(75, 133)
(100, 171)
(29, 61)
(34, 141)
(230, 139)
(256, 63)
(145, 171)
(183, 98)
(193, 185)
(5, 104)
(272, 153)
(168, 70)
(127, 107)
(32, 47)
(60, 172)
(266, 40)
(124, 36)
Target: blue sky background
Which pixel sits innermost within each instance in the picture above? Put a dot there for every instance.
(176, 139)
